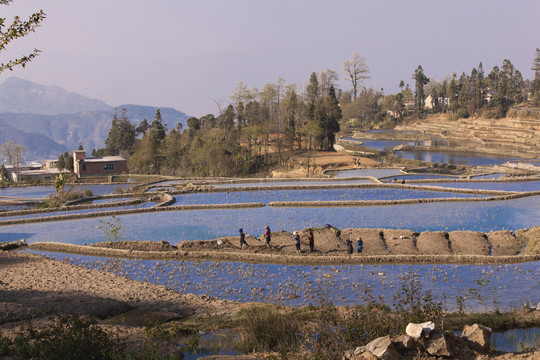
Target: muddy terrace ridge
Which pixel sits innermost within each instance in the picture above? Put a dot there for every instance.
(380, 246)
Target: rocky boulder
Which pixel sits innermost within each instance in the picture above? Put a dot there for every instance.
(438, 345)
(478, 336)
(404, 343)
(416, 331)
(383, 348)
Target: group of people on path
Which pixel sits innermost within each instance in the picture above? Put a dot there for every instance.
(296, 238)
(359, 245)
(311, 240)
(267, 237)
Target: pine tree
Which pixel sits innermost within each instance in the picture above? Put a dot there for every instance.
(60, 163)
(143, 126)
(327, 116)
(156, 134)
(451, 94)
(112, 141)
(420, 80)
(536, 81)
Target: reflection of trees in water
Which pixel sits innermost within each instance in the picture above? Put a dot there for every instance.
(456, 158)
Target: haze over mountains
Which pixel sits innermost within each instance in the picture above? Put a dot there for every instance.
(48, 120)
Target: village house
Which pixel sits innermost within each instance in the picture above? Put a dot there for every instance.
(108, 165)
(45, 175)
(33, 171)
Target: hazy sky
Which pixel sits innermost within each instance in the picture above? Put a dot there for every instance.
(190, 54)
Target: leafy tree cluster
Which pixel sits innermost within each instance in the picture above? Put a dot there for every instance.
(477, 94)
(257, 129)
(471, 94)
(121, 138)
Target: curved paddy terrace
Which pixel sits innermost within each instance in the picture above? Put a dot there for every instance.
(127, 205)
(315, 194)
(214, 212)
(42, 191)
(174, 226)
(521, 186)
(261, 275)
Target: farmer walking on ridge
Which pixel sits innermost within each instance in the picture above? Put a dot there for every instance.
(311, 240)
(349, 246)
(296, 238)
(242, 238)
(267, 236)
(359, 245)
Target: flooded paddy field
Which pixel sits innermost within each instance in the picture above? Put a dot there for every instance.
(177, 226)
(455, 158)
(376, 173)
(303, 182)
(379, 145)
(77, 211)
(523, 186)
(42, 191)
(468, 287)
(442, 156)
(314, 195)
(459, 287)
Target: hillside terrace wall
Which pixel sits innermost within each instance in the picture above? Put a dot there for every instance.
(280, 258)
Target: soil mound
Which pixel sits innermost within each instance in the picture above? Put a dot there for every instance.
(137, 245)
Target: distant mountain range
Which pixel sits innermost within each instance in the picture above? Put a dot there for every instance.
(48, 120)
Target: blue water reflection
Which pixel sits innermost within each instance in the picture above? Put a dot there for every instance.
(79, 211)
(379, 145)
(504, 186)
(312, 195)
(456, 158)
(505, 286)
(176, 226)
(376, 173)
(295, 183)
(418, 177)
(42, 191)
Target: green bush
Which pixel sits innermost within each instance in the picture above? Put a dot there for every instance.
(68, 337)
(463, 113)
(266, 329)
(56, 200)
(4, 346)
(332, 331)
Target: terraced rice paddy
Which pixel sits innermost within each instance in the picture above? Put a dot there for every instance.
(477, 287)
(314, 195)
(493, 286)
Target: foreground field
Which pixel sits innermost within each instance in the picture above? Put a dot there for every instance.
(34, 288)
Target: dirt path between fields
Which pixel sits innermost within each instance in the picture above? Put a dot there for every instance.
(379, 246)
